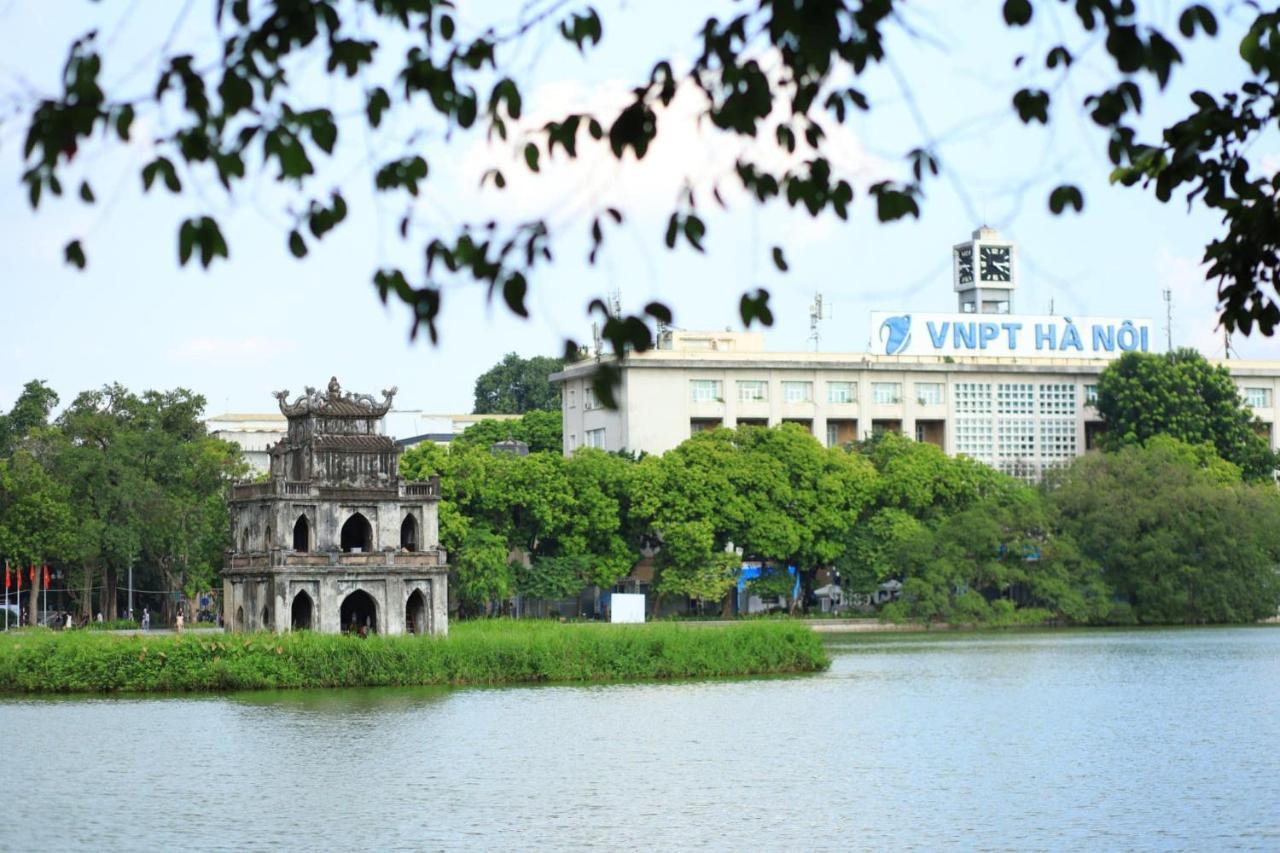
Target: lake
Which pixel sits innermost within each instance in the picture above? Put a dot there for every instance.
(1149, 740)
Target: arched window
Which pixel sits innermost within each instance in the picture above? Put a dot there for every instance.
(359, 611)
(357, 534)
(415, 613)
(239, 618)
(266, 618)
(266, 540)
(409, 533)
(244, 540)
(302, 534)
(300, 616)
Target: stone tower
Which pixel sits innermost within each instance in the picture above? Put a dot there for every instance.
(335, 540)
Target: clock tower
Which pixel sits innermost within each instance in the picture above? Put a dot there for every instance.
(985, 270)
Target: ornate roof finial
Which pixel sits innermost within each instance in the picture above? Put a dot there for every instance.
(334, 402)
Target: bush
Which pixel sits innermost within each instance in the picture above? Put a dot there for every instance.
(488, 652)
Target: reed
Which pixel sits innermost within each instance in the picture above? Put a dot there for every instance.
(483, 652)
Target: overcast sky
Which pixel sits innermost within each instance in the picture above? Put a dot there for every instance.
(264, 321)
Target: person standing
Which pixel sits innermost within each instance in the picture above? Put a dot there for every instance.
(178, 622)
(146, 619)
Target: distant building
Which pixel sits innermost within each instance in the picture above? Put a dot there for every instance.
(335, 540)
(1014, 391)
(256, 433)
(420, 427)
(253, 433)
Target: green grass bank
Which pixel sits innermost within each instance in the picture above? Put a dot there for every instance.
(497, 652)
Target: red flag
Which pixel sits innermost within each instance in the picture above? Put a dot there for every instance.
(18, 573)
(33, 574)
(6, 576)
(46, 575)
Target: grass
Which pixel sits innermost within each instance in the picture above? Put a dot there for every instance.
(482, 652)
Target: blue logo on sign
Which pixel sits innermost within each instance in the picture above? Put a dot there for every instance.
(895, 334)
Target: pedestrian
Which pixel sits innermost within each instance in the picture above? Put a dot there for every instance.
(178, 623)
(146, 619)
(69, 623)
(99, 619)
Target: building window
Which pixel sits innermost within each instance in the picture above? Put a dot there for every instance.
(886, 392)
(842, 392)
(1058, 399)
(797, 392)
(1091, 395)
(841, 432)
(705, 391)
(1257, 398)
(573, 399)
(589, 400)
(1015, 398)
(573, 441)
(595, 438)
(1016, 438)
(973, 398)
(752, 391)
(697, 425)
(929, 393)
(1057, 440)
(974, 437)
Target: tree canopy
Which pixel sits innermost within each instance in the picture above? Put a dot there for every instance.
(517, 385)
(118, 479)
(782, 70)
(1182, 395)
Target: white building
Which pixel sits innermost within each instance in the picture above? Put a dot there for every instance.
(255, 433)
(1014, 391)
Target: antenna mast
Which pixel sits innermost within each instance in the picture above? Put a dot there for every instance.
(817, 313)
(1168, 319)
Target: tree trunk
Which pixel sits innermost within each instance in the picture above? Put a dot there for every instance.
(657, 606)
(86, 603)
(726, 604)
(107, 607)
(34, 606)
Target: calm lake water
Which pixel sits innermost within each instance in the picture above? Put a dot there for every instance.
(1158, 740)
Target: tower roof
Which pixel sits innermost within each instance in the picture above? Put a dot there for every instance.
(334, 403)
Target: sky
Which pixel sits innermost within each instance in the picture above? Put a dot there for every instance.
(264, 321)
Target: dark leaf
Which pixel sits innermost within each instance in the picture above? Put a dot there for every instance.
(74, 254)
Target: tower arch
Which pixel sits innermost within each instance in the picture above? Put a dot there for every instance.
(357, 533)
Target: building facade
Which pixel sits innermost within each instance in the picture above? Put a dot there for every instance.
(335, 540)
(253, 433)
(1016, 392)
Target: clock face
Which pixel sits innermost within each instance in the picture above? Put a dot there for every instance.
(995, 263)
(964, 264)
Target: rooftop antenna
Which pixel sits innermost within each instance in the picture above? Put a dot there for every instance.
(1226, 343)
(1168, 319)
(597, 342)
(817, 313)
(615, 302)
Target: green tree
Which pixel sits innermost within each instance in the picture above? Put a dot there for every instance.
(29, 411)
(541, 430)
(36, 521)
(1180, 394)
(804, 498)
(148, 486)
(240, 97)
(517, 385)
(697, 505)
(1177, 541)
(482, 572)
